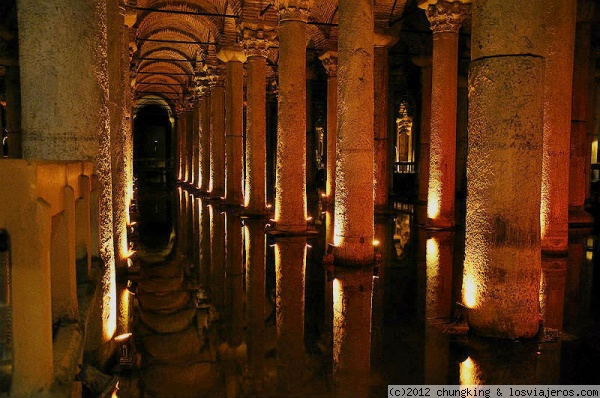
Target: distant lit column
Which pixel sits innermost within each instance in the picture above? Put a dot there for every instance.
(502, 265)
(217, 133)
(196, 137)
(558, 84)
(329, 60)
(180, 143)
(256, 42)
(354, 203)
(205, 150)
(290, 186)
(190, 134)
(380, 123)
(234, 135)
(580, 161)
(445, 18)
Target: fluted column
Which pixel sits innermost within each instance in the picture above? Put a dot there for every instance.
(354, 205)
(501, 280)
(217, 133)
(330, 62)
(234, 108)
(445, 18)
(256, 42)
(580, 159)
(380, 121)
(560, 38)
(290, 185)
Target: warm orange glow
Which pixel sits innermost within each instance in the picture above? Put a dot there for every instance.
(114, 393)
(469, 373)
(122, 337)
(433, 199)
(470, 293)
(376, 242)
(109, 303)
(124, 308)
(309, 218)
(338, 311)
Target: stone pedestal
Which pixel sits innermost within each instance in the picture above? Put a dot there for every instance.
(445, 18)
(290, 185)
(354, 206)
(501, 278)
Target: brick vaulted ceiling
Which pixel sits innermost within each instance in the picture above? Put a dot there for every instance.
(173, 41)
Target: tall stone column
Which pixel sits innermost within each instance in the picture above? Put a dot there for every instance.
(205, 150)
(354, 204)
(217, 133)
(192, 140)
(290, 185)
(196, 132)
(180, 166)
(560, 39)
(234, 111)
(13, 111)
(382, 165)
(579, 175)
(256, 42)
(445, 18)
(424, 135)
(501, 280)
(330, 62)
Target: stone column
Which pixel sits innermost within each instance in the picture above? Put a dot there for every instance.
(445, 18)
(205, 150)
(179, 155)
(580, 160)
(502, 263)
(234, 280)
(192, 141)
(196, 132)
(329, 60)
(234, 97)
(354, 224)
(560, 37)
(424, 134)
(382, 165)
(256, 41)
(185, 145)
(290, 185)
(552, 291)
(217, 134)
(13, 111)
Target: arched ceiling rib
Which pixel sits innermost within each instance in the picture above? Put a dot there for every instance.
(170, 42)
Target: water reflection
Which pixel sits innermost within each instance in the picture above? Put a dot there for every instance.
(230, 311)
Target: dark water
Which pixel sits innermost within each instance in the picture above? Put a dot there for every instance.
(206, 320)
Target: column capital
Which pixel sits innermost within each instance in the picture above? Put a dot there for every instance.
(330, 61)
(256, 39)
(294, 10)
(216, 76)
(445, 16)
(231, 54)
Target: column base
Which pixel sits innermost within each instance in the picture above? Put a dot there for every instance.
(439, 225)
(555, 245)
(277, 230)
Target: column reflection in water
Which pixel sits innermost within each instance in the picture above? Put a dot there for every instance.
(352, 303)
(217, 259)
(234, 272)
(204, 263)
(328, 294)
(290, 265)
(552, 291)
(438, 303)
(254, 239)
(579, 278)
(383, 235)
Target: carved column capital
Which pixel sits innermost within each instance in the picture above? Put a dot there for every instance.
(294, 10)
(445, 16)
(256, 39)
(330, 61)
(232, 53)
(216, 76)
